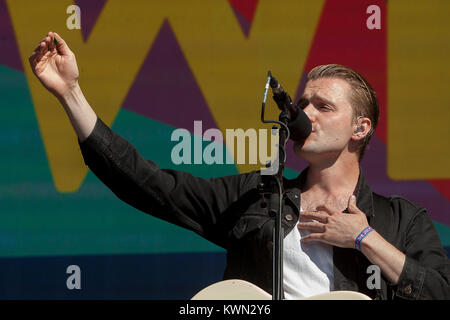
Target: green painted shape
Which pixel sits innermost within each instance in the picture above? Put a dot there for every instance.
(290, 173)
(36, 220)
(444, 233)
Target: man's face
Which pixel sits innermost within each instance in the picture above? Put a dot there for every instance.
(329, 109)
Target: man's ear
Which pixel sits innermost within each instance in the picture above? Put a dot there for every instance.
(361, 128)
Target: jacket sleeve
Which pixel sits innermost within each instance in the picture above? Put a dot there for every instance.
(426, 272)
(175, 196)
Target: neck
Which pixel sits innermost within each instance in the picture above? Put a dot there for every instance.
(333, 177)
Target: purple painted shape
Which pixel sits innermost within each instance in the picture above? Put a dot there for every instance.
(301, 87)
(374, 167)
(9, 55)
(165, 88)
(293, 161)
(90, 10)
(243, 22)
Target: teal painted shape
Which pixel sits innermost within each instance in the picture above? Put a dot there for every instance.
(444, 233)
(290, 173)
(37, 220)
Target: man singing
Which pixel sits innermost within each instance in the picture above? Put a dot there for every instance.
(335, 227)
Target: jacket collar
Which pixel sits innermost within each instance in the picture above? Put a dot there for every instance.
(364, 198)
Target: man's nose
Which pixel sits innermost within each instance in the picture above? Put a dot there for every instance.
(310, 111)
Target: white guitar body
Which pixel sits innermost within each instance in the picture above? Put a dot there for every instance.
(236, 289)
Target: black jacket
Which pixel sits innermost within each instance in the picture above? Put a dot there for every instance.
(230, 212)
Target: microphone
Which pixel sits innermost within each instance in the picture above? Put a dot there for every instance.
(299, 126)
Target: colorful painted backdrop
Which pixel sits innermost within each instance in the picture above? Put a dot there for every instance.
(149, 67)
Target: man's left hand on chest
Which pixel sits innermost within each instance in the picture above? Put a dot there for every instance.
(331, 226)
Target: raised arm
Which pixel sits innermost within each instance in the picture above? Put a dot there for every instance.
(178, 197)
(55, 65)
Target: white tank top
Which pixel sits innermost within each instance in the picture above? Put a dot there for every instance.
(307, 267)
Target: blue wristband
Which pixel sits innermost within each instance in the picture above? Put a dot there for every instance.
(361, 236)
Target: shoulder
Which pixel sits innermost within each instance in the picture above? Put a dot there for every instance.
(405, 205)
(400, 207)
(399, 220)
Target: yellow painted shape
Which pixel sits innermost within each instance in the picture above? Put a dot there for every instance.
(418, 89)
(229, 68)
(108, 64)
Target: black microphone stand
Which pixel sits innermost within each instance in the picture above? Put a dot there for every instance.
(273, 185)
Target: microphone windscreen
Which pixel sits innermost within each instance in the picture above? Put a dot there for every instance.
(273, 82)
(300, 127)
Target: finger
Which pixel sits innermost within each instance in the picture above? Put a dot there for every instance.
(312, 226)
(326, 209)
(41, 48)
(315, 215)
(52, 42)
(49, 42)
(313, 237)
(60, 44)
(37, 53)
(43, 45)
(352, 204)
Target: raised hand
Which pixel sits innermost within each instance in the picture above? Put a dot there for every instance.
(54, 64)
